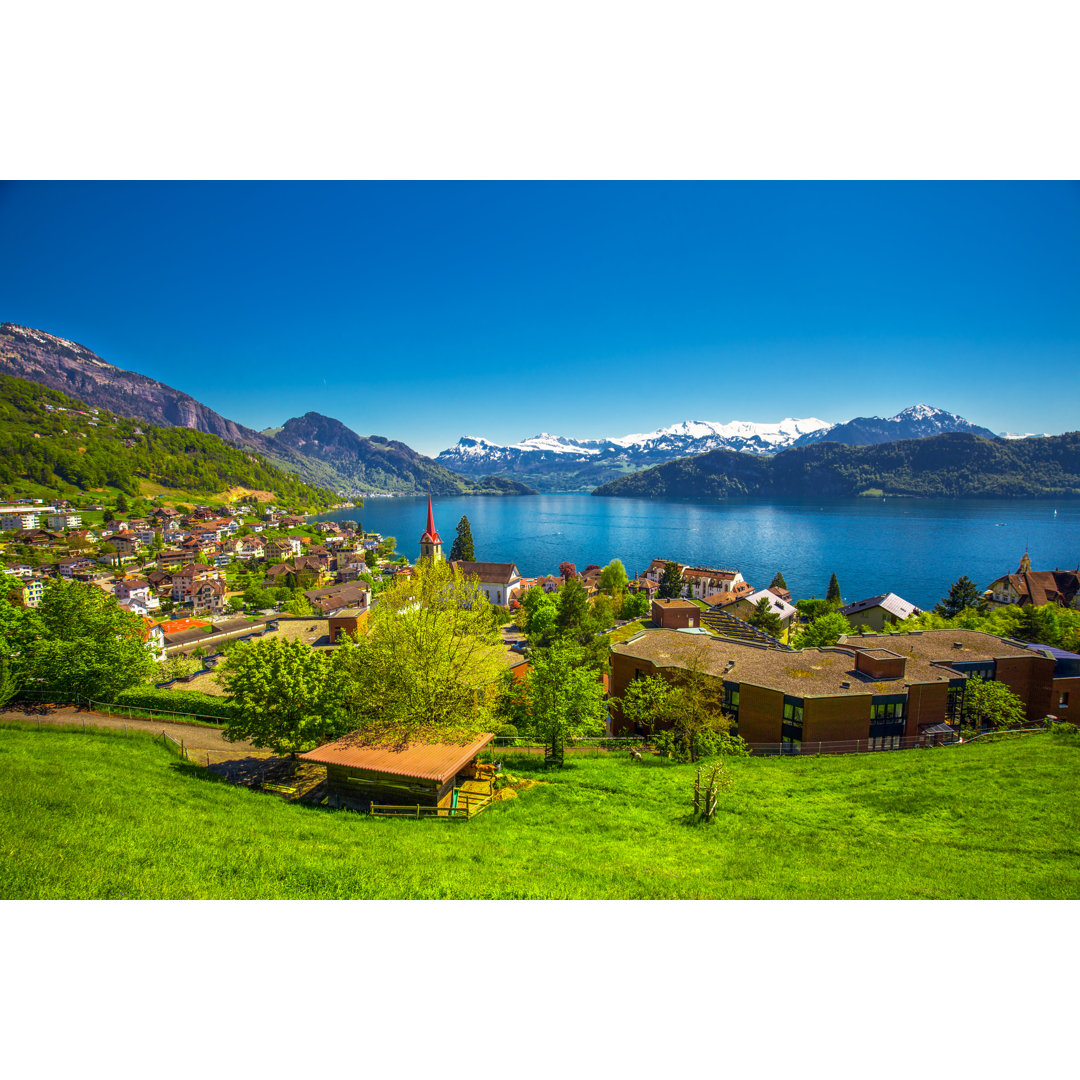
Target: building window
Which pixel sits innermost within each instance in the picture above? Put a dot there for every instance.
(730, 705)
(887, 721)
(1063, 699)
(791, 730)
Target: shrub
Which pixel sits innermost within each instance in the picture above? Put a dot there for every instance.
(180, 701)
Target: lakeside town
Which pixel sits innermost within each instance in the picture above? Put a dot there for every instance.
(783, 675)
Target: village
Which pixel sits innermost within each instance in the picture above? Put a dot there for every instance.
(786, 676)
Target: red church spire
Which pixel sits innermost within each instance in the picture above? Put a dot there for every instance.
(430, 535)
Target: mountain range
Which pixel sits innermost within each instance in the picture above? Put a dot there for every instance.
(557, 463)
(320, 450)
(950, 465)
(323, 451)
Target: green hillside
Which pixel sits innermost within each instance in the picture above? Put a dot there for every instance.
(111, 815)
(55, 445)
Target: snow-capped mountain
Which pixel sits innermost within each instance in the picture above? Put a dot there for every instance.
(557, 462)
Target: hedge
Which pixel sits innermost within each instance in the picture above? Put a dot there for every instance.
(178, 701)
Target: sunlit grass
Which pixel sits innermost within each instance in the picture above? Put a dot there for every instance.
(112, 815)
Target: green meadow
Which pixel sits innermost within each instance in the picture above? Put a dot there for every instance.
(112, 815)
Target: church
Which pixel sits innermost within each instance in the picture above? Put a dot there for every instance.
(500, 582)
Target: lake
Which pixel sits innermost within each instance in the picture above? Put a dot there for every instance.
(914, 547)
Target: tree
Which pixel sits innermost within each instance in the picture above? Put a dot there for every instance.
(462, 549)
(689, 704)
(778, 581)
(121, 504)
(824, 630)
(201, 559)
(371, 559)
(989, 705)
(635, 605)
(566, 699)
(9, 685)
(671, 583)
(429, 664)
(613, 577)
(573, 609)
(568, 571)
(300, 605)
(833, 594)
(283, 695)
(963, 594)
(765, 619)
(386, 548)
(84, 643)
(539, 612)
(1039, 624)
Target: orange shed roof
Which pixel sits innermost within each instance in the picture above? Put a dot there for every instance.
(425, 761)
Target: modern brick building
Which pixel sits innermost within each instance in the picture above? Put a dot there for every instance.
(882, 694)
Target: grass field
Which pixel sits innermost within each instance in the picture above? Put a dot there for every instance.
(110, 815)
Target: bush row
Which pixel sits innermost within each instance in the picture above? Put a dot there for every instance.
(179, 701)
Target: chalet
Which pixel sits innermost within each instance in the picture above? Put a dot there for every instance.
(1035, 587)
(208, 597)
(439, 778)
(36, 537)
(139, 592)
(500, 582)
(68, 568)
(175, 558)
(283, 547)
(877, 612)
(550, 582)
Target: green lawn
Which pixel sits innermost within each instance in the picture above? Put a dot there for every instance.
(112, 815)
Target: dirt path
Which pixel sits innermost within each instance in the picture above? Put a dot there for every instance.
(193, 736)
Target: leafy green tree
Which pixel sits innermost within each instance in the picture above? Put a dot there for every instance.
(284, 695)
(573, 609)
(635, 605)
(963, 594)
(613, 577)
(1039, 624)
(540, 611)
(386, 549)
(201, 559)
(371, 559)
(824, 630)
(462, 549)
(765, 619)
(688, 704)
(833, 595)
(989, 705)
(258, 597)
(566, 699)
(9, 684)
(429, 665)
(300, 605)
(778, 581)
(121, 504)
(84, 644)
(671, 583)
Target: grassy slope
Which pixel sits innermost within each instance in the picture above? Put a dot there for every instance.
(109, 815)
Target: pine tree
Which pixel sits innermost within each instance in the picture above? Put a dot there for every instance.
(778, 581)
(671, 584)
(962, 595)
(764, 618)
(462, 549)
(833, 595)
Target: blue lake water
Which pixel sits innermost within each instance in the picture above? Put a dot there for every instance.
(914, 547)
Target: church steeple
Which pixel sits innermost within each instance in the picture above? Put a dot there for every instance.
(431, 541)
(1025, 564)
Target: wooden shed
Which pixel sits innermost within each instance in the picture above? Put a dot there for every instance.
(432, 779)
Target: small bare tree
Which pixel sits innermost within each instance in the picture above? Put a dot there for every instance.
(708, 783)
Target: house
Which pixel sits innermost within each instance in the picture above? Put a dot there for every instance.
(33, 589)
(284, 547)
(676, 614)
(420, 774)
(499, 582)
(126, 543)
(852, 696)
(208, 597)
(346, 621)
(744, 606)
(550, 583)
(139, 593)
(333, 599)
(877, 612)
(19, 517)
(175, 558)
(1035, 587)
(698, 582)
(68, 568)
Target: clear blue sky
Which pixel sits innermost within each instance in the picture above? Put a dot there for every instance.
(425, 311)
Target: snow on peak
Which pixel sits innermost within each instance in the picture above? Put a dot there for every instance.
(923, 412)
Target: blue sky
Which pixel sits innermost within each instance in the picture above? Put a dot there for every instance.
(425, 311)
